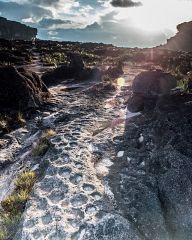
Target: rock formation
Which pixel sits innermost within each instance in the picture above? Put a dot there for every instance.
(182, 40)
(148, 87)
(75, 70)
(12, 30)
(20, 89)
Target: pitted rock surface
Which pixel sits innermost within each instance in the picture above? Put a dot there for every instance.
(72, 200)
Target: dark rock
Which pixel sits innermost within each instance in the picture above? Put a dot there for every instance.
(78, 73)
(182, 40)
(148, 87)
(111, 227)
(116, 71)
(153, 83)
(176, 194)
(10, 58)
(20, 89)
(158, 199)
(136, 103)
(14, 30)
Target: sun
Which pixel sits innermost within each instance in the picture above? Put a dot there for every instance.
(156, 16)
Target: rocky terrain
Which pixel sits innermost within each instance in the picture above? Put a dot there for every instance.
(95, 142)
(182, 40)
(14, 30)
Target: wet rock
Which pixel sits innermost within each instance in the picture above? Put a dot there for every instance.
(20, 89)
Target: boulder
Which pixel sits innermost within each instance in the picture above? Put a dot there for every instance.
(148, 87)
(65, 72)
(20, 89)
(116, 71)
(154, 83)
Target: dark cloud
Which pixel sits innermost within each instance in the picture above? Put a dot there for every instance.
(125, 3)
(15, 11)
(50, 22)
(45, 2)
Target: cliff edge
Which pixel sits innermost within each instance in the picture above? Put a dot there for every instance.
(182, 40)
(12, 30)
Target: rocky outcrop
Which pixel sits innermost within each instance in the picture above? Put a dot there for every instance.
(20, 89)
(154, 174)
(12, 30)
(75, 70)
(115, 71)
(148, 87)
(182, 40)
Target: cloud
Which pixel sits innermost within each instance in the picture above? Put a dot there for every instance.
(52, 33)
(125, 3)
(15, 11)
(45, 2)
(53, 23)
(110, 32)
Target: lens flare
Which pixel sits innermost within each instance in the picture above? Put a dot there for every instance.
(120, 82)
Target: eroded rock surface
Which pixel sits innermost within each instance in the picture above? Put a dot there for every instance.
(20, 89)
(152, 181)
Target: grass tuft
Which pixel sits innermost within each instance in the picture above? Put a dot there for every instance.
(3, 235)
(4, 125)
(26, 180)
(43, 144)
(20, 119)
(14, 205)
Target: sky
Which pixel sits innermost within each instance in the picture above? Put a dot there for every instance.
(127, 23)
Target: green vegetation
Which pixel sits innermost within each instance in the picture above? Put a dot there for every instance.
(20, 118)
(183, 84)
(14, 205)
(54, 59)
(4, 125)
(44, 143)
(11, 121)
(3, 235)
